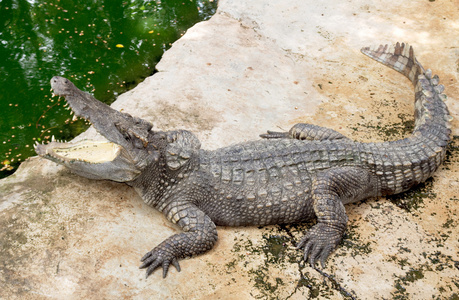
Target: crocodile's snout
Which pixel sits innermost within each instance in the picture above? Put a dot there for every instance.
(60, 85)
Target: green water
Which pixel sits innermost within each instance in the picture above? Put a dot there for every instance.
(104, 47)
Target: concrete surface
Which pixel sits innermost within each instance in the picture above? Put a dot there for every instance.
(255, 65)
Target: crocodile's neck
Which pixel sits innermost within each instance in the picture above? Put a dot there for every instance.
(407, 162)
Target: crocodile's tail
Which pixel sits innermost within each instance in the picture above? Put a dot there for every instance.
(432, 119)
(407, 162)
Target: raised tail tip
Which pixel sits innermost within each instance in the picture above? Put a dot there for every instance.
(399, 57)
(399, 49)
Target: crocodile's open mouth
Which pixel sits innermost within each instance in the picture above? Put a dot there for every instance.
(92, 159)
(120, 158)
(86, 151)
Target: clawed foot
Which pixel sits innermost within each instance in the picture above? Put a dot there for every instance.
(159, 257)
(274, 135)
(319, 242)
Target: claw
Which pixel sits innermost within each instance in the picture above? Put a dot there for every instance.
(165, 268)
(145, 256)
(314, 256)
(301, 243)
(146, 261)
(175, 263)
(307, 249)
(322, 263)
(151, 268)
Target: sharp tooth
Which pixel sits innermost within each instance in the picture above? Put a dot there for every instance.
(53, 139)
(53, 95)
(74, 118)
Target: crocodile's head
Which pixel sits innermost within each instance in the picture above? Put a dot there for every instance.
(122, 158)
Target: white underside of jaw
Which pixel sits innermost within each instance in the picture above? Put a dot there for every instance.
(89, 151)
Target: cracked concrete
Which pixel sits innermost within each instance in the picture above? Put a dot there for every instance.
(255, 65)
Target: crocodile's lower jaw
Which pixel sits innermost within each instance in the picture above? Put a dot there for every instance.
(88, 151)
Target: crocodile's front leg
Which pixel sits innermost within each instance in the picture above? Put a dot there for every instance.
(330, 191)
(200, 236)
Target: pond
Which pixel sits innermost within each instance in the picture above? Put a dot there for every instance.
(104, 47)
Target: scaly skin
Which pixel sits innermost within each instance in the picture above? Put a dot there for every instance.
(309, 172)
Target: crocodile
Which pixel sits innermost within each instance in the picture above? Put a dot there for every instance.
(309, 172)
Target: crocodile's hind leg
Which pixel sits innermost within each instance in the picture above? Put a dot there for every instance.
(330, 191)
(304, 131)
